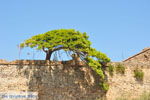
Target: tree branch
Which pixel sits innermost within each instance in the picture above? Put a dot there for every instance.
(44, 50)
(60, 48)
(77, 51)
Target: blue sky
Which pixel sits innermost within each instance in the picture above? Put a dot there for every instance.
(119, 28)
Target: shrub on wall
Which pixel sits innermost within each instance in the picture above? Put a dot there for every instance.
(104, 86)
(120, 68)
(110, 69)
(139, 74)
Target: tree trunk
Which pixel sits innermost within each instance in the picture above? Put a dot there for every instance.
(48, 55)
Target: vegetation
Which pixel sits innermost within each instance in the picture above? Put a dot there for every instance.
(105, 86)
(120, 69)
(110, 69)
(69, 40)
(144, 96)
(66, 39)
(138, 74)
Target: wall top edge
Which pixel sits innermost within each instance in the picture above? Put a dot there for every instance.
(36, 62)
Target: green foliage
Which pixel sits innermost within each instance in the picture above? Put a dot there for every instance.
(138, 74)
(66, 38)
(120, 69)
(110, 69)
(104, 86)
(69, 40)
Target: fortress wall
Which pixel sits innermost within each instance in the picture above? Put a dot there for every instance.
(68, 81)
(52, 81)
(126, 85)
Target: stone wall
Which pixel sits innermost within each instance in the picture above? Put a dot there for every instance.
(126, 85)
(68, 81)
(52, 81)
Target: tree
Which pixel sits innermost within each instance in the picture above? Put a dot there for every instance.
(51, 41)
(68, 40)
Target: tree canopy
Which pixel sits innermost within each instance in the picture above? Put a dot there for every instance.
(68, 40)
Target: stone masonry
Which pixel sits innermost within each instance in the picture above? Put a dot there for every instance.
(70, 81)
(52, 81)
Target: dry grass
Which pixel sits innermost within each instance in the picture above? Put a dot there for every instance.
(144, 96)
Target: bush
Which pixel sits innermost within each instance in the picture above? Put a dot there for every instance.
(120, 69)
(138, 74)
(104, 86)
(110, 69)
